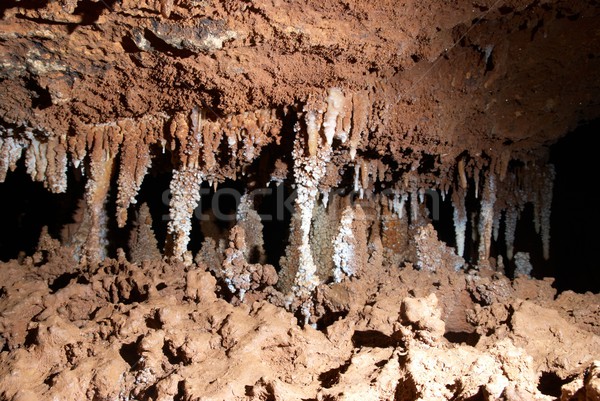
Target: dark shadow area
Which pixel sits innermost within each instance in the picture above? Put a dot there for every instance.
(373, 339)
(129, 353)
(28, 207)
(62, 281)
(575, 212)
(275, 209)
(330, 318)
(462, 337)
(331, 377)
(90, 11)
(444, 224)
(550, 384)
(28, 4)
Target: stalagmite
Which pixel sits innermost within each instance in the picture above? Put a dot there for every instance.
(460, 220)
(496, 224)
(486, 217)
(96, 192)
(547, 188)
(142, 242)
(249, 220)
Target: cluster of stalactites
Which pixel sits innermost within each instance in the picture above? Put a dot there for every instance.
(502, 192)
(409, 195)
(96, 149)
(528, 184)
(197, 141)
(342, 118)
(45, 157)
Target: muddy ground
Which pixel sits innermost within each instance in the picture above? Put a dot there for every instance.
(165, 331)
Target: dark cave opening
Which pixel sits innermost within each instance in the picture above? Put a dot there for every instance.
(29, 207)
(575, 213)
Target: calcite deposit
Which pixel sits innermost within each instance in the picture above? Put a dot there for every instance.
(292, 200)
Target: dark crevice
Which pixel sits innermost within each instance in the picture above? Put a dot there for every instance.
(90, 11)
(180, 396)
(174, 358)
(153, 321)
(129, 353)
(161, 46)
(332, 376)
(61, 281)
(550, 384)
(373, 339)
(40, 97)
(31, 337)
(28, 203)
(329, 318)
(462, 337)
(26, 4)
(49, 381)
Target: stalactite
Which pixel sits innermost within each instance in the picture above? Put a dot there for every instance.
(547, 188)
(11, 150)
(511, 218)
(186, 181)
(77, 145)
(460, 219)
(476, 178)
(96, 192)
(414, 207)
(56, 178)
(462, 175)
(486, 217)
(134, 164)
(502, 164)
(335, 105)
(357, 187)
(35, 159)
(398, 204)
(364, 177)
(312, 129)
(360, 112)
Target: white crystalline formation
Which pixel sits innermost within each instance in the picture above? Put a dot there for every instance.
(344, 246)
